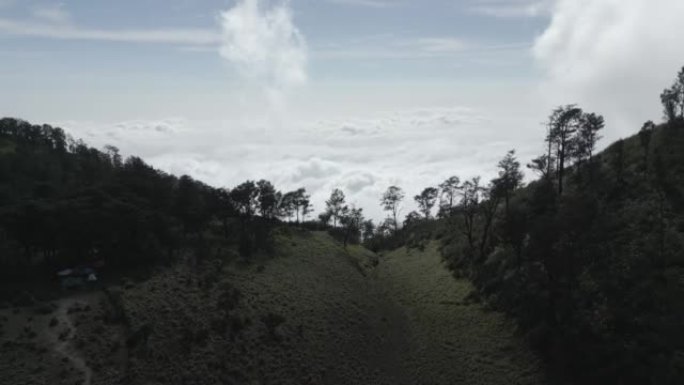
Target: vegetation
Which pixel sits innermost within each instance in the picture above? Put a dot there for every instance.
(588, 259)
(64, 204)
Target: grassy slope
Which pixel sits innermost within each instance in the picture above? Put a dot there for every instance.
(336, 316)
(454, 342)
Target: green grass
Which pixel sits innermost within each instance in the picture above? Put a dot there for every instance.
(463, 342)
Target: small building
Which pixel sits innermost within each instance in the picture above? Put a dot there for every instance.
(76, 277)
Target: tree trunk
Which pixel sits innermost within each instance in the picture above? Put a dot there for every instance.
(561, 170)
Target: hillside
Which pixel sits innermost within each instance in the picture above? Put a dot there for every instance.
(313, 314)
(593, 274)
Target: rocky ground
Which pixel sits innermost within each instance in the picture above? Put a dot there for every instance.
(314, 314)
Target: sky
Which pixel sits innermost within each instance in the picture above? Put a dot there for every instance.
(355, 94)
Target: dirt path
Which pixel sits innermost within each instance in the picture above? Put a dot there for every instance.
(62, 336)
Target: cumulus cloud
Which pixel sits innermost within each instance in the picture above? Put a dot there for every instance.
(314, 168)
(614, 56)
(264, 44)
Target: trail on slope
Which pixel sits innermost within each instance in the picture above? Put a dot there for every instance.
(62, 340)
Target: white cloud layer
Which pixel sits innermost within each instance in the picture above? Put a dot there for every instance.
(264, 44)
(412, 148)
(613, 56)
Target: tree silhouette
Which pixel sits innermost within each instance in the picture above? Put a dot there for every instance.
(335, 204)
(542, 165)
(564, 123)
(449, 190)
(391, 201)
(245, 198)
(426, 200)
(590, 125)
(510, 177)
(288, 205)
(470, 202)
(351, 219)
(268, 199)
(645, 135)
(367, 230)
(412, 218)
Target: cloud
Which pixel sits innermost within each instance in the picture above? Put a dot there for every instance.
(66, 31)
(512, 8)
(53, 21)
(359, 181)
(264, 44)
(368, 3)
(413, 148)
(435, 45)
(315, 169)
(613, 56)
(51, 13)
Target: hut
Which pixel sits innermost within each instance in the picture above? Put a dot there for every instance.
(76, 277)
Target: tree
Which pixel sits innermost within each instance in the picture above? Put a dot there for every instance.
(391, 201)
(386, 228)
(287, 205)
(510, 177)
(367, 230)
(189, 204)
(113, 154)
(669, 100)
(351, 219)
(590, 125)
(226, 210)
(564, 123)
(645, 135)
(542, 165)
(335, 205)
(412, 218)
(307, 208)
(324, 217)
(268, 199)
(426, 200)
(300, 200)
(618, 161)
(449, 190)
(490, 203)
(679, 89)
(244, 197)
(673, 99)
(470, 201)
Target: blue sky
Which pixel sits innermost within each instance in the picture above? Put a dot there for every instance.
(348, 42)
(357, 94)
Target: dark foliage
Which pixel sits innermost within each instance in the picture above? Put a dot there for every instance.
(592, 272)
(64, 204)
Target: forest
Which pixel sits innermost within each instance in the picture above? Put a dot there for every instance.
(587, 258)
